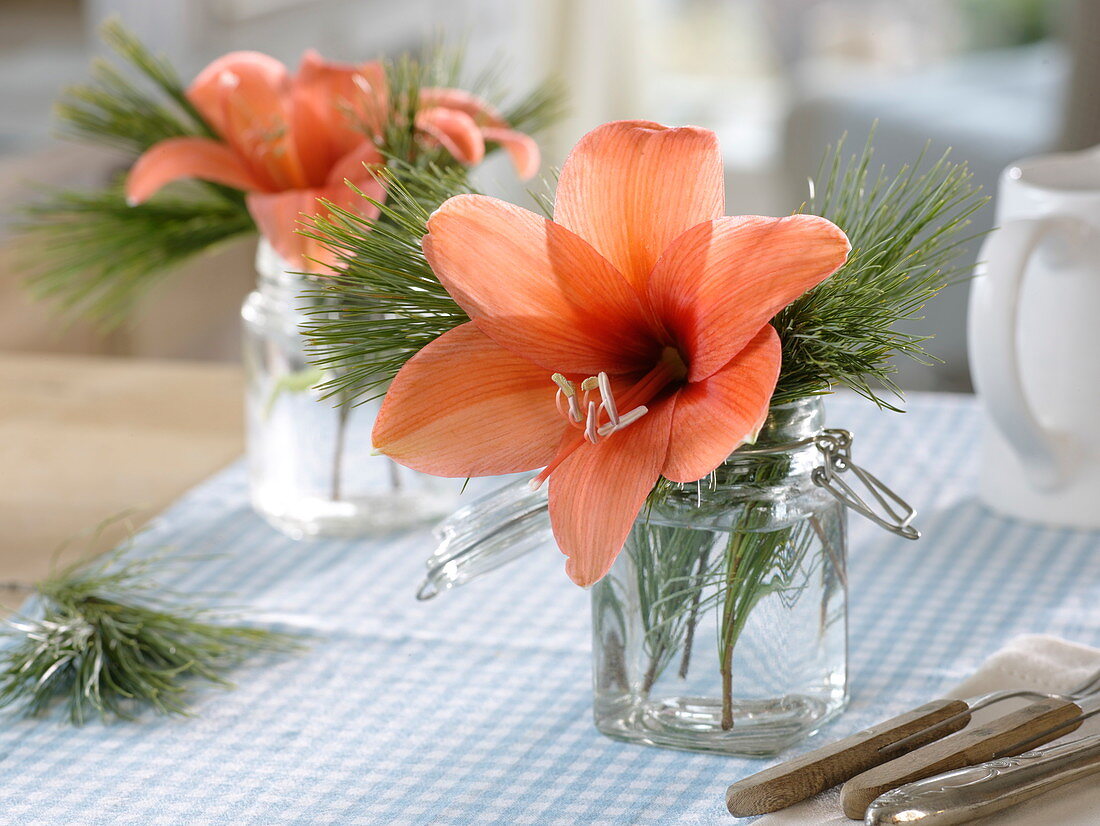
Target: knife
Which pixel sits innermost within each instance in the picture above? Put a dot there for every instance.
(1009, 735)
(804, 776)
(969, 793)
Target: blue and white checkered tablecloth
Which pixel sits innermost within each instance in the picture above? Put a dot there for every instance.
(475, 708)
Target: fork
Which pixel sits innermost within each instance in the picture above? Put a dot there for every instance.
(795, 780)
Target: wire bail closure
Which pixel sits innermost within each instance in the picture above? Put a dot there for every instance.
(836, 449)
(513, 520)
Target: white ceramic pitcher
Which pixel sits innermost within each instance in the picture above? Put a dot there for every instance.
(1034, 341)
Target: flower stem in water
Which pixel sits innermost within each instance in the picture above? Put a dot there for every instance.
(729, 636)
(343, 412)
(693, 617)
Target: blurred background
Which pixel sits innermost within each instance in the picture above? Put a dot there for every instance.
(779, 80)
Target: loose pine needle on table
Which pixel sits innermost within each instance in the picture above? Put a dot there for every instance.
(104, 638)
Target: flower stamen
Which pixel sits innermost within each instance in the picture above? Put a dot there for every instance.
(624, 421)
(585, 413)
(608, 398)
(591, 425)
(669, 369)
(569, 390)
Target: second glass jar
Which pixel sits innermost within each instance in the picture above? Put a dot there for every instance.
(312, 471)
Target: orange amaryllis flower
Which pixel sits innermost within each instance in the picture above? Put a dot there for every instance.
(289, 140)
(284, 140)
(455, 119)
(626, 339)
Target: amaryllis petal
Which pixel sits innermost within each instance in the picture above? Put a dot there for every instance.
(246, 97)
(348, 100)
(464, 406)
(355, 165)
(721, 281)
(478, 109)
(312, 133)
(178, 158)
(455, 131)
(715, 416)
(537, 288)
(630, 187)
(281, 216)
(208, 90)
(520, 147)
(278, 216)
(596, 494)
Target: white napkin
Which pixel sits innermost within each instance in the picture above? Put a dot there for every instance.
(1042, 662)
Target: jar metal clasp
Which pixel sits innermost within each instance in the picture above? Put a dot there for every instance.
(892, 513)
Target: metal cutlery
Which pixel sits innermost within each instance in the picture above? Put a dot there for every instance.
(965, 794)
(1009, 735)
(798, 779)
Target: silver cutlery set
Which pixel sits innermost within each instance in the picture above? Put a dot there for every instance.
(927, 766)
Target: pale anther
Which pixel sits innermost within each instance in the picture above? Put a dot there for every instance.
(590, 383)
(569, 390)
(567, 387)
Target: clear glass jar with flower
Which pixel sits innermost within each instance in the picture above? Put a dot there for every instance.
(752, 557)
(663, 365)
(312, 469)
(309, 145)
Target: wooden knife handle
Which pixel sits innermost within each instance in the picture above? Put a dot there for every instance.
(821, 769)
(1002, 737)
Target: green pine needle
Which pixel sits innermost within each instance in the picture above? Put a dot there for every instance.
(542, 108)
(114, 111)
(390, 303)
(90, 253)
(107, 640)
(95, 256)
(907, 232)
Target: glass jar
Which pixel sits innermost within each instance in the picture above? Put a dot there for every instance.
(311, 467)
(722, 626)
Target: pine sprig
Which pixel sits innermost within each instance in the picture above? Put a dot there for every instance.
(96, 256)
(108, 639)
(90, 252)
(544, 106)
(907, 233)
(389, 303)
(114, 111)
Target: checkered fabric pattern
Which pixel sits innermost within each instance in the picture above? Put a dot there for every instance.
(475, 708)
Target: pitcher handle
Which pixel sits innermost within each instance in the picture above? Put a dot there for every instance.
(992, 333)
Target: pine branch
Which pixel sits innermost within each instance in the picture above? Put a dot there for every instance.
(90, 252)
(907, 233)
(389, 302)
(540, 109)
(97, 256)
(108, 638)
(114, 111)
